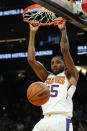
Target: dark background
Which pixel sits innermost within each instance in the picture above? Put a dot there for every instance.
(16, 74)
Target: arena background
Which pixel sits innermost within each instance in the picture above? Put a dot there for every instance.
(16, 113)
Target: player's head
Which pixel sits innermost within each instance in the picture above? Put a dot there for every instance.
(57, 65)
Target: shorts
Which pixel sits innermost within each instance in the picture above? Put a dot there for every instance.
(54, 123)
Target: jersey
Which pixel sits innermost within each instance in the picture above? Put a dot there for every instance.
(61, 92)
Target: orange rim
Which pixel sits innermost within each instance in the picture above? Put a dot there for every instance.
(40, 24)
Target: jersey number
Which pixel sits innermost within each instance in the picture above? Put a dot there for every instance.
(54, 91)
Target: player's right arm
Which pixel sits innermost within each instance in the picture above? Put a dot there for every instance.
(38, 68)
(64, 46)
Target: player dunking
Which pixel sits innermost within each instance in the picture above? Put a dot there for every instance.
(58, 109)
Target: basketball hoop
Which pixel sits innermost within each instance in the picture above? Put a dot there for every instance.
(36, 13)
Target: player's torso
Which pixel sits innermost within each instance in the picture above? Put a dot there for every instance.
(58, 94)
(58, 86)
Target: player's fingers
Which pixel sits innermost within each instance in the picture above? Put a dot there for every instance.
(34, 23)
(59, 19)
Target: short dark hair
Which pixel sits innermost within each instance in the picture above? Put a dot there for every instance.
(60, 57)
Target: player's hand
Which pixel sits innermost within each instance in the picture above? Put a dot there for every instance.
(61, 25)
(34, 26)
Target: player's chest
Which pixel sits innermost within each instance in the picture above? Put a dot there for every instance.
(57, 90)
(57, 86)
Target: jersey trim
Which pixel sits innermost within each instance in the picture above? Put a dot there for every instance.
(69, 86)
(69, 83)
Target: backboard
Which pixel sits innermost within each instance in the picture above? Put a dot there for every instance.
(64, 8)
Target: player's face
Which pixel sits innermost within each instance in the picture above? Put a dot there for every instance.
(57, 65)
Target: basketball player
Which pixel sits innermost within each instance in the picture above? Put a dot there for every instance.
(58, 109)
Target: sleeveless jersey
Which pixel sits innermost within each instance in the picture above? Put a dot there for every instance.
(61, 92)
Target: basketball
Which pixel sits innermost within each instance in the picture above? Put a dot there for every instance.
(38, 93)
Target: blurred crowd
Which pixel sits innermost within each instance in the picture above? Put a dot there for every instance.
(79, 119)
(22, 116)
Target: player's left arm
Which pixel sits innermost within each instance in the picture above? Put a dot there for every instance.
(64, 46)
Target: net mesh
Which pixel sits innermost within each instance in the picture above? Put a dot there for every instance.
(40, 14)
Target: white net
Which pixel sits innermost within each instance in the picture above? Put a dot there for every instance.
(40, 14)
